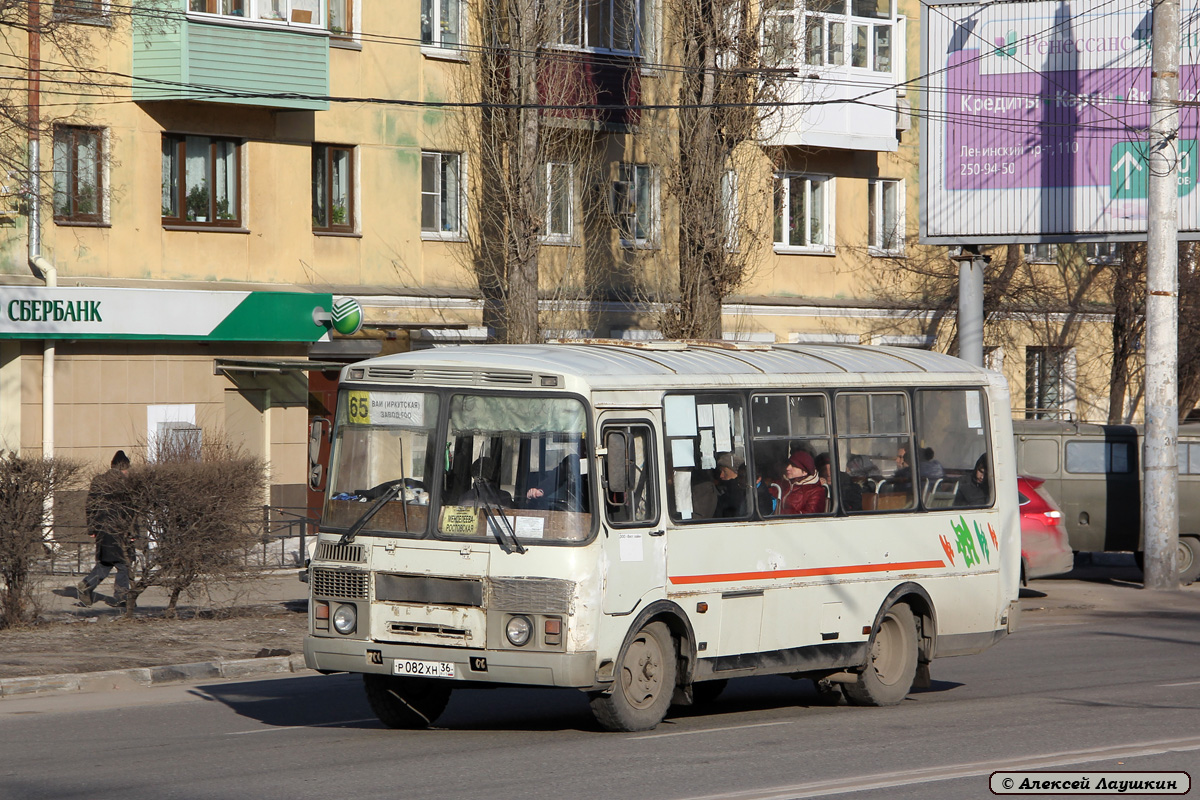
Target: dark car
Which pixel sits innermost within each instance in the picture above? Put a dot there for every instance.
(1045, 550)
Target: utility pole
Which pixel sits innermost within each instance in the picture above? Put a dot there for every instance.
(1161, 484)
(971, 264)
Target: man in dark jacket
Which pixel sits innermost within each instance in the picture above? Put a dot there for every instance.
(108, 523)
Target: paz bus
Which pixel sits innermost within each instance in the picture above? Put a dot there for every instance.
(612, 517)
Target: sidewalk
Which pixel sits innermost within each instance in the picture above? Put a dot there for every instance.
(1101, 583)
(270, 591)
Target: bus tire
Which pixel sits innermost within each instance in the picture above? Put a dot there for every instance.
(409, 703)
(892, 662)
(644, 684)
(1187, 560)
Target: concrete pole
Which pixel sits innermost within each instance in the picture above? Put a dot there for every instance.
(971, 265)
(1160, 487)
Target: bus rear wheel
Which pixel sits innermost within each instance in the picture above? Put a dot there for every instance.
(406, 702)
(892, 665)
(644, 684)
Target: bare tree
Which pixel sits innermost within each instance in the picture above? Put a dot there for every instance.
(193, 511)
(26, 487)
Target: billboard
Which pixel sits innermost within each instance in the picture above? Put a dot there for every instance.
(1035, 121)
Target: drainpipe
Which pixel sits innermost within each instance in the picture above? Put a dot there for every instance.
(48, 273)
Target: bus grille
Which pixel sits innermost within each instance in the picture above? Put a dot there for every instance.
(339, 583)
(455, 377)
(537, 595)
(331, 551)
(440, 631)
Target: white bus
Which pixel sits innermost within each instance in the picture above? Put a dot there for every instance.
(622, 519)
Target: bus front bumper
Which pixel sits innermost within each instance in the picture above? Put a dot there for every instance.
(530, 668)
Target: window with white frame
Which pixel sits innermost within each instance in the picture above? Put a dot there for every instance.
(1041, 253)
(886, 217)
(1104, 252)
(441, 194)
(307, 13)
(78, 174)
(635, 204)
(559, 221)
(442, 23)
(854, 33)
(607, 25)
(803, 211)
(779, 33)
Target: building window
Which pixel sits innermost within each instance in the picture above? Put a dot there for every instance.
(441, 23)
(779, 33)
(635, 204)
(311, 13)
(609, 25)
(1046, 382)
(441, 194)
(200, 181)
(1104, 252)
(81, 10)
(862, 29)
(341, 17)
(559, 218)
(332, 188)
(802, 206)
(886, 217)
(1041, 253)
(78, 174)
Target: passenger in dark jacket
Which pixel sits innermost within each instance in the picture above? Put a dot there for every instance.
(109, 523)
(976, 490)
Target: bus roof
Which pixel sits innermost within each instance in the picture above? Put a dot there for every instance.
(620, 364)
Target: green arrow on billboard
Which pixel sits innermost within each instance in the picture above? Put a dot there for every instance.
(1129, 173)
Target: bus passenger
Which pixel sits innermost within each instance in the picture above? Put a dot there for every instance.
(730, 486)
(976, 491)
(768, 489)
(803, 493)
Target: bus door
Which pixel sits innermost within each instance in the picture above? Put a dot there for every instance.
(633, 525)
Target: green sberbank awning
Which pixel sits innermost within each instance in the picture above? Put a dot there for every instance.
(106, 313)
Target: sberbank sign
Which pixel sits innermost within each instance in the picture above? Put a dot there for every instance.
(29, 312)
(54, 311)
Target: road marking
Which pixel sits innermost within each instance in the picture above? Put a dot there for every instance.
(711, 730)
(886, 780)
(295, 727)
(1185, 683)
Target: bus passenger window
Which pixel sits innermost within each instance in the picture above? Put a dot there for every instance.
(875, 452)
(791, 449)
(706, 460)
(953, 465)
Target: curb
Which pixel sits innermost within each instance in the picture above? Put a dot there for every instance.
(118, 679)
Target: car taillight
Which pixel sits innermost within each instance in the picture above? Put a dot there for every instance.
(1052, 516)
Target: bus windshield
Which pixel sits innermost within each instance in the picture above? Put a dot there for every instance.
(382, 442)
(517, 462)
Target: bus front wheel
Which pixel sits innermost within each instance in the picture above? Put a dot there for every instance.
(406, 702)
(892, 665)
(643, 685)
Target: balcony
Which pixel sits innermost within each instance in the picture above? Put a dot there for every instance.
(265, 53)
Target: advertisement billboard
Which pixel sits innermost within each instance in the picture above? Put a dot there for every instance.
(1035, 121)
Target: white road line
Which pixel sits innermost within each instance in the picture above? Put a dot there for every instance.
(295, 727)
(955, 771)
(1185, 683)
(711, 730)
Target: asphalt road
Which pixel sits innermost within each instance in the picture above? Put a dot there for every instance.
(1113, 686)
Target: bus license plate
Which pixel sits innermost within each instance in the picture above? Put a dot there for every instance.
(423, 669)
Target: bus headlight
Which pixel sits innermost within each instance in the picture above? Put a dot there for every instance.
(345, 619)
(518, 630)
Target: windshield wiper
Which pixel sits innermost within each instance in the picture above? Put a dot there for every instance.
(502, 530)
(393, 489)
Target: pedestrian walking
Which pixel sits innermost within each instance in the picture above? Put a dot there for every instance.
(108, 524)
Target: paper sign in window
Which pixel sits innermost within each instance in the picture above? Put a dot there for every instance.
(721, 422)
(682, 456)
(679, 413)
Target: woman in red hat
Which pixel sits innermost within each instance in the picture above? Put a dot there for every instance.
(803, 493)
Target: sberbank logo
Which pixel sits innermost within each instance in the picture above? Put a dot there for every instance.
(347, 316)
(1006, 46)
(54, 311)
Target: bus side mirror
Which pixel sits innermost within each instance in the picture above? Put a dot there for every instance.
(316, 470)
(616, 462)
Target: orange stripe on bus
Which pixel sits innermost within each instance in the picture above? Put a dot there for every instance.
(806, 573)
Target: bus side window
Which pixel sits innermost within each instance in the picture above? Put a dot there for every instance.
(784, 425)
(637, 505)
(952, 449)
(706, 475)
(880, 471)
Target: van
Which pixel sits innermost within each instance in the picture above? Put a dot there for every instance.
(1095, 474)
